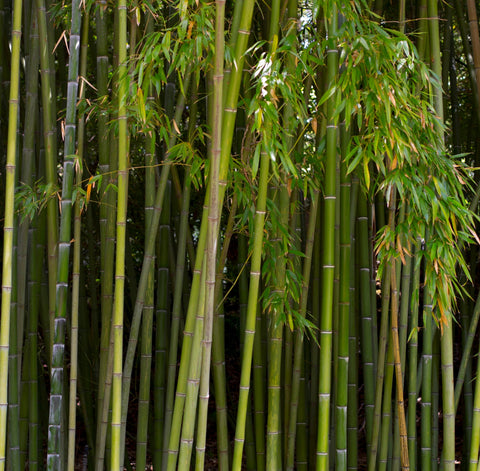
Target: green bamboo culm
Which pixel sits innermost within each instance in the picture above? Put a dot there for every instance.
(117, 321)
(344, 313)
(147, 318)
(107, 228)
(56, 454)
(448, 394)
(8, 228)
(274, 416)
(214, 212)
(74, 323)
(328, 263)
(50, 145)
(253, 294)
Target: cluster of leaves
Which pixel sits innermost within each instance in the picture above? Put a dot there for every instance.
(275, 86)
(384, 92)
(30, 200)
(281, 299)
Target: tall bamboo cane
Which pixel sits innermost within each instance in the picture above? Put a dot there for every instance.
(448, 455)
(214, 213)
(56, 454)
(7, 268)
(117, 321)
(175, 324)
(299, 336)
(412, 370)
(260, 212)
(18, 434)
(188, 426)
(72, 418)
(147, 320)
(275, 342)
(341, 400)
(107, 225)
(324, 384)
(50, 144)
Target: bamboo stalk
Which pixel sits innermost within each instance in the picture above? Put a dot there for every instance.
(72, 418)
(50, 146)
(412, 369)
(260, 212)
(341, 398)
(324, 388)
(299, 335)
(7, 263)
(118, 307)
(214, 212)
(175, 325)
(56, 450)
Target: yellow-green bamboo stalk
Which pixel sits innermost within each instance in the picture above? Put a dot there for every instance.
(214, 212)
(260, 212)
(8, 227)
(117, 324)
(195, 365)
(218, 348)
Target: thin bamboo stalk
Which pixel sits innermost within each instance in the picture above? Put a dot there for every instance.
(352, 417)
(341, 397)
(188, 427)
(214, 213)
(13, 453)
(162, 324)
(27, 166)
(299, 335)
(474, 40)
(475, 439)
(118, 308)
(260, 212)
(74, 343)
(107, 224)
(7, 267)
(275, 342)
(259, 382)
(175, 325)
(36, 251)
(367, 338)
(386, 424)
(426, 410)
(381, 373)
(218, 349)
(412, 369)
(147, 319)
(460, 14)
(50, 147)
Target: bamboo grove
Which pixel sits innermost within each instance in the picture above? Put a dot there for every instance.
(239, 235)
